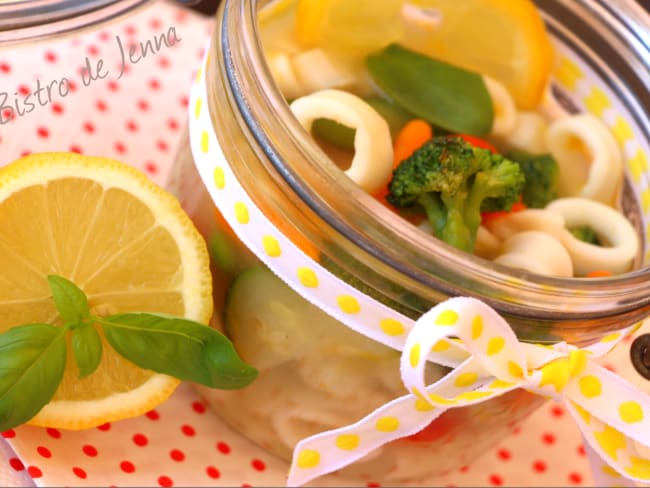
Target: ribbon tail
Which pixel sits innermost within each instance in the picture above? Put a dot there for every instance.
(602, 473)
(329, 451)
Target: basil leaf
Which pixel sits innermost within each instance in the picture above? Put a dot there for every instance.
(32, 361)
(177, 347)
(444, 95)
(87, 348)
(70, 301)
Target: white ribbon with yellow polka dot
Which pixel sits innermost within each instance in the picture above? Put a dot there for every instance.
(462, 333)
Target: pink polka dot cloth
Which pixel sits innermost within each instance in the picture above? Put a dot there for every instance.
(138, 117)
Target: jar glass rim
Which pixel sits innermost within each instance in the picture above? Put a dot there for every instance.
(414, 254)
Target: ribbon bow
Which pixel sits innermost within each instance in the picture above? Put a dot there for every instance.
(612, 415)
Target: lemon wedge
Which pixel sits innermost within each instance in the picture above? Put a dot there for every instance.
(504, 39)
(125, 242)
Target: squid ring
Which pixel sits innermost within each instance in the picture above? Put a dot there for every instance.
(537, 252)
(372, 163)
(622, 241)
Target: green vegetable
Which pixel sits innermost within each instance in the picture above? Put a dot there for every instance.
(540, 171)
(585, 234)
(33, 356)
(453, 182)
(442, 94)
(342, 136)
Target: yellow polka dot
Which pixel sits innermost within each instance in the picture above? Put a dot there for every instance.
(465, 379)
(440, 345)
(219, 178)
(597, 101)
(414, 355)
(611, 337)
(447, 317)
(391, 327)
(348, 304)
(241, 213)
(590, 386)
(347, 442)
(500, 384)
(473, 395)
(645, 199)
(515, 370)
(417, 393)
(630, 412)
(622, 130)
(387, 424)
(495, 345)
(610, 440)
(307, 277)
(577, 362)
(477, 327)
(638, 165)
(204, 142)
(568, 73)
(441, 400)
(423, 406)
(199, 72)
(586, 416)
(609, 471)
(271, 246)
(640, 468)
(308, 459)
(197, 107)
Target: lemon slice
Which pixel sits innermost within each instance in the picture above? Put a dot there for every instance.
(125, 242)
(357, 27)
(504, 39)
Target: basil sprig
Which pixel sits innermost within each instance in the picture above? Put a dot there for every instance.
(33, 356)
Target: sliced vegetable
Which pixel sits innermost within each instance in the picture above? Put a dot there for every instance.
(411, 137)
(444, 95)
(478, 142)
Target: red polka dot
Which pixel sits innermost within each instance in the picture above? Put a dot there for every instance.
(55, 434)
(105, 427)
(57, 108)
(557, 411)
(25, 152)
(154, 84)
(188, 430)
(610, 367)
(155, 23)
(163, 61)
(198, 407)
(101, 105)
(177, 455)
(581, 450)
(50, 57)
(34, 472)
(5, 67)
(185, 101)
(143, 105)
(172, 124)
(496, 480)
(140, 440)
(113, 85)
(9, 434)
(8, 114)
(80, 473)
(539, 466)
(104, 36)
(548, 438)
(44, 451)
(93, 50)
(258, 465)
(373, 484)
(16, 464)
(245, 485)
(212, 472)
(130, 29)
(504, 454)
(120, 147)
(89, 450)
(23, 89)
(464, 469)
(76, 149)
(89, 127)
(152, 415)
(127, 466)
(181, 16)
(165, 481)
(131, 126)
(162, 145)
(43, 132)
(575, 478)
(223, 448)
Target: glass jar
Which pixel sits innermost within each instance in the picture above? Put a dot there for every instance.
(315, 372)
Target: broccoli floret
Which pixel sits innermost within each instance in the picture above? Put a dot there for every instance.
(540, 171)
(585, 234)
(453, 182)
